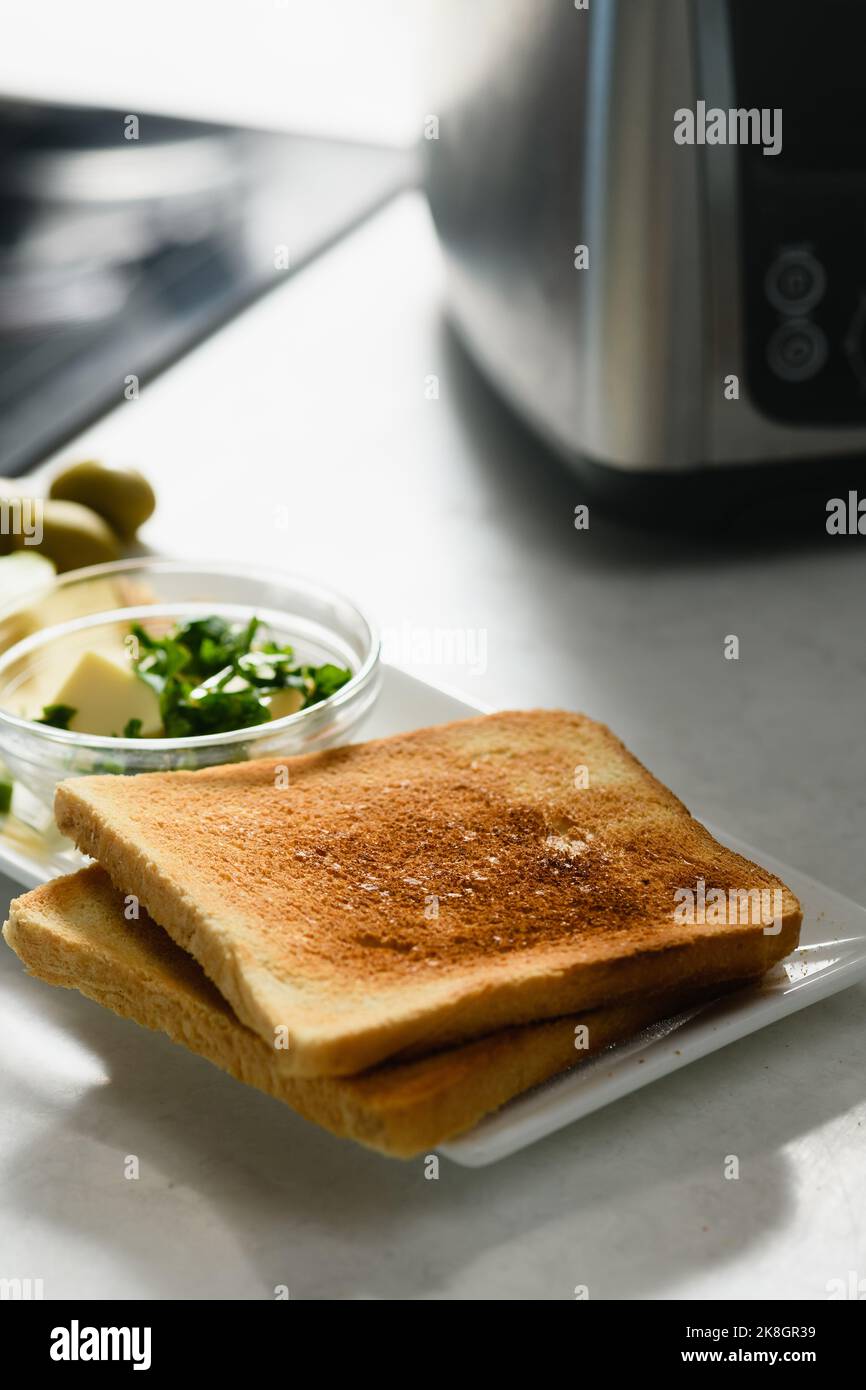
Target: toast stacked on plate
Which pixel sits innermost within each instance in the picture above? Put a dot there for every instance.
(397, 937)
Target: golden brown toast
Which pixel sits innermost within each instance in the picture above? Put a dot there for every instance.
(73, 932)
(421, 890)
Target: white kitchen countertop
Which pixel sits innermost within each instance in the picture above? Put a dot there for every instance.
(443, 514)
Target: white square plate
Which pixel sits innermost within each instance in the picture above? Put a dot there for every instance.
(832, 955)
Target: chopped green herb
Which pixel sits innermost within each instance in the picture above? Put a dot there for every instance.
(161, 658)
(214, 677)
(132, 728)
(58, 716)
(328, 680)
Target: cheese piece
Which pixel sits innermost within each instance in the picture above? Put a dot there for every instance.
(284, 702)
(79, 601)
(105, 694)
(24, 575)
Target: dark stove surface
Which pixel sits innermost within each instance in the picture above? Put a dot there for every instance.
(124, 240)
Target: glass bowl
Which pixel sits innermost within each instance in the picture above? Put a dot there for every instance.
(86, 608)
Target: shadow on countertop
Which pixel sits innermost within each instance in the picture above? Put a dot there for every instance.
(668, 519)
(629, 1202)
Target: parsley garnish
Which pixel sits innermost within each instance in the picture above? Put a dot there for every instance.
(213, 677)
(58, 716)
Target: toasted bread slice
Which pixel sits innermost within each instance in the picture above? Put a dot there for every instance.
(73, 932)
(421, 890)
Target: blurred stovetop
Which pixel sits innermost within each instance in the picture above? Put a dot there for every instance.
(124, 240)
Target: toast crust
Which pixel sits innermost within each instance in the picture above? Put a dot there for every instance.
(72, 932)
(311, 907)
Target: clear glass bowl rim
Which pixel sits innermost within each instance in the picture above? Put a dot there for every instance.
(359, 681)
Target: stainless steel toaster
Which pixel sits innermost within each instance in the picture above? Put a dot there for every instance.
(719, 316)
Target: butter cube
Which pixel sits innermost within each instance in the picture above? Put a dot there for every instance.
(284, 702)
(105, 694)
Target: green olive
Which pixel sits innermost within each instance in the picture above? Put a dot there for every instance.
(122, 496)
(72, 536)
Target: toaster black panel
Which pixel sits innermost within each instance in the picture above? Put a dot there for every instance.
(803, 211)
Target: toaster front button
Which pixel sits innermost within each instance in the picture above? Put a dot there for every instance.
(797, 350)
(795, 282)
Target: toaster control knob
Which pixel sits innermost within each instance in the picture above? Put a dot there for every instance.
(797, 350)
(795, 282)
